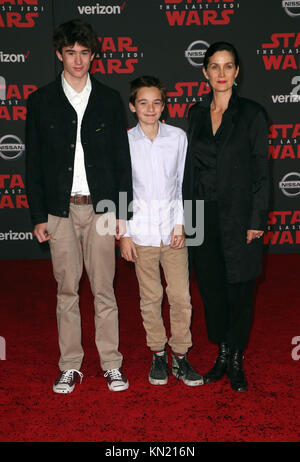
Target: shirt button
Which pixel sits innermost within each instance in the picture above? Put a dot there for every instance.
(70, 169)
(72, 146)
(64, 213)
(74, 121)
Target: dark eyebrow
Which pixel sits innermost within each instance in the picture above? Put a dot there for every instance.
(144, 99)
(72, 49)
(229, 62)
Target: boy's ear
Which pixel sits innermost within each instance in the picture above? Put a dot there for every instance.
(58, 54)
(131, 107)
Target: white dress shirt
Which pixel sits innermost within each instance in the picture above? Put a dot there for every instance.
(157, 174)
(79, 102)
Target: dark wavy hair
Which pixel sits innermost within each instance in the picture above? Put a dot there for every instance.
(221, 46)
(146, 81)
(73, 31)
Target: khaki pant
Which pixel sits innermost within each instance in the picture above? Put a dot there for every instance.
(74, 240)
(175, 265)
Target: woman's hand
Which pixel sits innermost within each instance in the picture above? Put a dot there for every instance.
(128, 250)
(253, 234)
(178, 237)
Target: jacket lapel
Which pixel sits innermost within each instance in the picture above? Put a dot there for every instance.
(95, 99)
(59, 100)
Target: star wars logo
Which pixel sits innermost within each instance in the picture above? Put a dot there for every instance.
(283, 228)
(284, 141)
(199, 12)
(184, 95)
(12, 98)
(117, 55)
(12, 192)
(282, 52)
(19, 13)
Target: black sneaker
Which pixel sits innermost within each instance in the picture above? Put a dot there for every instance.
(116, 380)
(159, 371)
(67, 380)
(182, 370)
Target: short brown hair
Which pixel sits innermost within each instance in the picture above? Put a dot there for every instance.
(73, 31)
(146, 81)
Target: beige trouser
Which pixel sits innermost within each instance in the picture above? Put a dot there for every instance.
(175, 265)
(74, 240)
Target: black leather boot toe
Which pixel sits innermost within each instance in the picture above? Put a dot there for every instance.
(235, 371)
(220, 366)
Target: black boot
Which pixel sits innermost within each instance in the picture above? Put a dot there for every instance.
(235, 371)
(219, 368)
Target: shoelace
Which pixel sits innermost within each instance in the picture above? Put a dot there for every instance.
(161, 364)
(183, 367)
(67, 376)
(114, 374)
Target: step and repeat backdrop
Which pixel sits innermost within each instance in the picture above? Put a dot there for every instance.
(165, 38)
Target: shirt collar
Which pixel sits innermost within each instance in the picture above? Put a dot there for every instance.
(71, 93)
(232, 105)
(139, 134)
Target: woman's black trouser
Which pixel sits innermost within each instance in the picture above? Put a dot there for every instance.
(228, 307)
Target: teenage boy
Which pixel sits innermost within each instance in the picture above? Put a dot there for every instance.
(156, 234)
(77, 155)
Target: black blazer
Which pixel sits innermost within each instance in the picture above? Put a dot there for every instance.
(242, 181)
(51, 128)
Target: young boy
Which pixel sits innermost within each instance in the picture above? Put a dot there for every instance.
(77, 154)
(156, 234)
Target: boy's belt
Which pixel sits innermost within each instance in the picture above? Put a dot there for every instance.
(79, 199)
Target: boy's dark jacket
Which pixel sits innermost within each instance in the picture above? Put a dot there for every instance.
(51, 128)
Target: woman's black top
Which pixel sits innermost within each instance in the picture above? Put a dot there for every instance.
(205, 151)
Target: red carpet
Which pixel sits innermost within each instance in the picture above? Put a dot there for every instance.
(30, 411)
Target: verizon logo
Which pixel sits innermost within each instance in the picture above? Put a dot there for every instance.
(15, 236)
(13, 57)
(101, 9)
(291, 98)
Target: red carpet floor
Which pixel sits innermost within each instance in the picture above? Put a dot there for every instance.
(31, 412)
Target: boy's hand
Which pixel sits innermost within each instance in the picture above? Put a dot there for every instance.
(41, 233)
(128, 250)
(120, 228)
(178, 237)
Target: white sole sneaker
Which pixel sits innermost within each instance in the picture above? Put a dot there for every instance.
(63, 388)
(190, 383)
(66, 381)
(115, 386)
(158, 381)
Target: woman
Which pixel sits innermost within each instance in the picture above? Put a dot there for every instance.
(227, 167)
